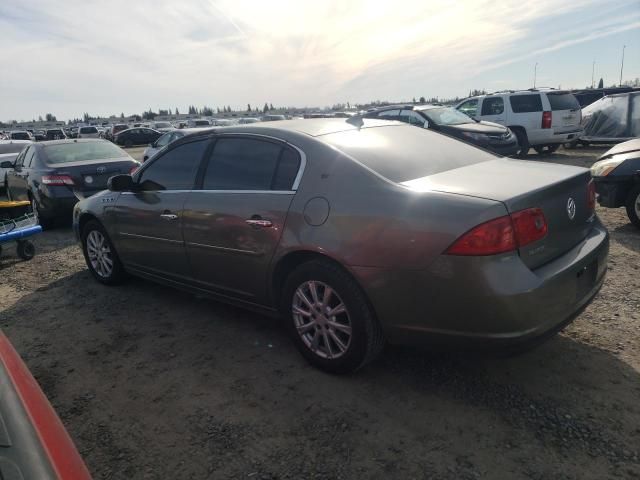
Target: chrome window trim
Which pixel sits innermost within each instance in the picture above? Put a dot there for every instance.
(275, 192)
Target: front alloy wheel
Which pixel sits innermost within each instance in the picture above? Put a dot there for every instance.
(101, 257)
(633, 205)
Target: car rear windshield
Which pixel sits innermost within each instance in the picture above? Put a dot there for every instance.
(402, 153)
(563, 101)
(20, 136)
(88, 130)
(81, 151)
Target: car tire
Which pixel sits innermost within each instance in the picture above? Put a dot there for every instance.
(523, 142)
(633, 205)
(338, 343)
(45, 222)
(546, 149)
(25, 250)
(101, 257)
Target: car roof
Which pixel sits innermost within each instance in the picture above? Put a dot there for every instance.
(69, 140)
(410, 106)
(314, 127)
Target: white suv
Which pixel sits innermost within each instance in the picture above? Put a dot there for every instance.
(542, 119)
(88, 132)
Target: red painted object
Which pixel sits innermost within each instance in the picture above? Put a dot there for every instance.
(58, 446)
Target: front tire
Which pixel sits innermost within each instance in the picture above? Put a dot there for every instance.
(100, 255)
(633, 205)
(329, 318)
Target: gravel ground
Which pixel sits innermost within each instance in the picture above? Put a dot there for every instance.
(153, 383)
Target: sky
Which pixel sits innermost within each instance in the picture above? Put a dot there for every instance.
(108, 57)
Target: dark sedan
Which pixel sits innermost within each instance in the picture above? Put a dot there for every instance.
(617, 177)
(137, 136)
(357, 232)
(492, 136)
(52, 175)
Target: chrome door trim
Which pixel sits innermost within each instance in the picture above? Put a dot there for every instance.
(224, 249)
(146, 237)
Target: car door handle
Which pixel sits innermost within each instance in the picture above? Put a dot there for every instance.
(259, 222)
(169, 216)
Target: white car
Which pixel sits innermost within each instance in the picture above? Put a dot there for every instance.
(542, 119)
(9, 150)
(162, 126)
(88, 132)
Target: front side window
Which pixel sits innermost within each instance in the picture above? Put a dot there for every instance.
(250, 164)
(492, 106)
(164, 140)
(525, 103)
(20, 158)
(411, 117)
(175, 169)
(470, 107)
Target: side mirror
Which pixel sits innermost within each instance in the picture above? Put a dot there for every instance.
(7, 164)
(120, 183)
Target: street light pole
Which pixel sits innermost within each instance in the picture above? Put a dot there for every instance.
(535, 72)
(622, 64)
(593, 69)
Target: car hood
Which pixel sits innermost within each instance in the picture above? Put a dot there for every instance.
(624, 147)
(487, 128)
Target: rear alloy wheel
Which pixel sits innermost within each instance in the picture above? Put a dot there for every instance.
(523, 142)
(101, 257)
(633, 205)
(546, 149)
(330, 319)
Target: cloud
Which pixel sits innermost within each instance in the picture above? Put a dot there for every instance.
(107, 57)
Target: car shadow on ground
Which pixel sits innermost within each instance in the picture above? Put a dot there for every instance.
(146, 377)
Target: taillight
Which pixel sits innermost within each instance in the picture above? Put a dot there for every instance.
(503, 234)
(57, 180)
(530, 226)
(489, 238)
(591, 195)
(546, 119)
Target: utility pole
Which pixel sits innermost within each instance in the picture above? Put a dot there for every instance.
(535, 72)
(622, 64)
(593, 69)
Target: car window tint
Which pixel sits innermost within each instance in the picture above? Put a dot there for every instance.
(470, 107)
(175, 169)
(525, 103)
(241, 164)
(287, 170)
(389, 115)
(492, 106)
(28, 157)
(20, 158)
(409, 116)
(563, 101)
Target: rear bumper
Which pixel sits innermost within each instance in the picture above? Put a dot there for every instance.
(612, 191)
(551, 137)
(56, 202)
(487, 302)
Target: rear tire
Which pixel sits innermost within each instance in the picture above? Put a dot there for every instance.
(633, 205)
(546, 149)
(523, 142)
(336, 331)
(101, 257)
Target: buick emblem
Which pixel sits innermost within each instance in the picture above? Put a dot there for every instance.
(100, 170)
(571, 208)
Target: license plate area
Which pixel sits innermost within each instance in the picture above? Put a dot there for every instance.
(586, 279)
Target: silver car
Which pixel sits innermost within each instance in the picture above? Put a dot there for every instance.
(357, 232)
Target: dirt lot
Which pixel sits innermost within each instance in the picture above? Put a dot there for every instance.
(154, 384)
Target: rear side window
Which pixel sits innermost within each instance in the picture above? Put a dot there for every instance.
(563, 101)
(492, 106)
(287, 170)
(29, 156)
(249, 164)
(175, 169)
(403, 153)
(525, 103)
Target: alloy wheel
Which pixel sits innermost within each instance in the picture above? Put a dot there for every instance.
(321, 319)
(99, 254)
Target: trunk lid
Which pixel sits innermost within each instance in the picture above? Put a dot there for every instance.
(521, 184)
(91, 177)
